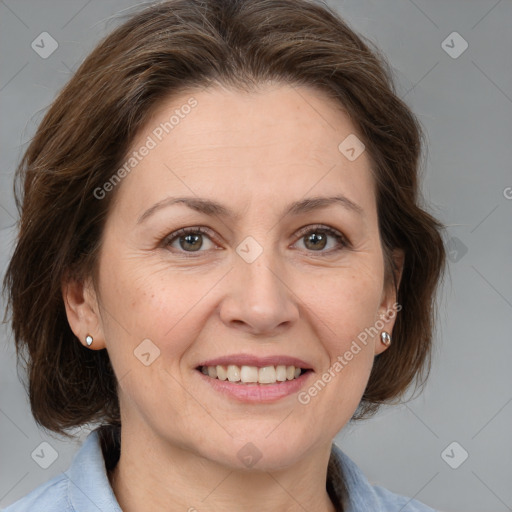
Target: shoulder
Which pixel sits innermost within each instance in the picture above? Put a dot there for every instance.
(84, 487)
(356, 493)
(399, 502)
(52, 496)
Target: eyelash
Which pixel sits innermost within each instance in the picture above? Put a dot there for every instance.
(343, 242)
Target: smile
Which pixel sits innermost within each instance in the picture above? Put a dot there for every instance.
(252, 374)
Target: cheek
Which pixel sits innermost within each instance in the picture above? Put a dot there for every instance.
(344, 309)
(145, 300)
(349, 311)
(347, 300)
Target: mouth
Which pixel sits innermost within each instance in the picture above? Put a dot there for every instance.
(252, 379)
(253, 375)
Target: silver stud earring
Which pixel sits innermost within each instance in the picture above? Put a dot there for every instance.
(385, 338)
(88, 340)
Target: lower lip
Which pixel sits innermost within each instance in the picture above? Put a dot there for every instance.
(256, 392)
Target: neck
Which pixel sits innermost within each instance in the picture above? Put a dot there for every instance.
(153, 475)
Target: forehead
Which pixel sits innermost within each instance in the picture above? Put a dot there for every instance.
(237, 146)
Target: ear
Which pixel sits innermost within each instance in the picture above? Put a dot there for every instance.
(389, 308)
(80, 301)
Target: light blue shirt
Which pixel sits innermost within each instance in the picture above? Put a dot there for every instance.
(85, 487)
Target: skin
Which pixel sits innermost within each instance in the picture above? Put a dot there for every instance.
(255, 153)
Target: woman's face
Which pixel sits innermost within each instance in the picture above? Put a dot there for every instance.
(277, 274)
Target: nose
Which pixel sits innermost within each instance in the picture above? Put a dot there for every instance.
(259, 300)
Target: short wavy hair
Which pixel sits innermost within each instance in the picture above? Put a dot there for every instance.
(161, 51)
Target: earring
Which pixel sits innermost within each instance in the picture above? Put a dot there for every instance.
(385, 338)
(88, 340)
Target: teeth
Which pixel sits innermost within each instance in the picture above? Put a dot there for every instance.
(281, 373)
(252, 374)
(267, 375)
(249, 374)
(233, 373)
(222, 373)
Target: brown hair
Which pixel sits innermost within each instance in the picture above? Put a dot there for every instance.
(87, 132)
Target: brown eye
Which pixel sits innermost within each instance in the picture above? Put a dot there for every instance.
(188, 240)
(192, 242)
(316, 239)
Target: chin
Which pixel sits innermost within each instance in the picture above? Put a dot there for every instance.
(260, 453)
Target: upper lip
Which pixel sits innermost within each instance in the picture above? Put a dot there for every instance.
(252, 360)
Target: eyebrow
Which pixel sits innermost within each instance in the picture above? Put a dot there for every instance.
(213, 208)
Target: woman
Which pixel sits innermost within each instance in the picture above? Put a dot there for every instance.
(222, 260)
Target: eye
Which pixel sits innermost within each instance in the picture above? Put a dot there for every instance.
(316, 239)
(188, 239)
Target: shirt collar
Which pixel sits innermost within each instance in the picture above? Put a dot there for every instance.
(349, 484)
(89, 488)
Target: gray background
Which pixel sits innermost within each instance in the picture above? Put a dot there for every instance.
(465, 105)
